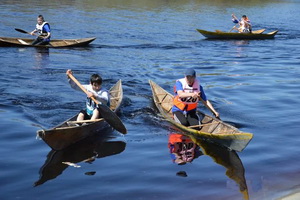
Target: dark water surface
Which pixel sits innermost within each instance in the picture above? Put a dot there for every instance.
(253, 84)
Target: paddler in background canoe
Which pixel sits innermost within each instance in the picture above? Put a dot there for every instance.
(244, 24)
(188, 92)
(94, 89)
(43, 32)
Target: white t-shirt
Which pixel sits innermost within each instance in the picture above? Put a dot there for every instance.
(102, 96)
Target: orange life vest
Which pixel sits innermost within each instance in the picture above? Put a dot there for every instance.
(188, 103)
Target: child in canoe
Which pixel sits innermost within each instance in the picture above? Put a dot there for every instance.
(94, 90)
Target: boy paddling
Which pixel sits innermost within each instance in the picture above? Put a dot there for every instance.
(95, 90)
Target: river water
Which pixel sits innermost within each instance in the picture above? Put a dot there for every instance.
(254, 85)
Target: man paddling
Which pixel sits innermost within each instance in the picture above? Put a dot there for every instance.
(43, 32)
(188, 92)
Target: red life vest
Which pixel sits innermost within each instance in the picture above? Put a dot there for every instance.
(188, 103)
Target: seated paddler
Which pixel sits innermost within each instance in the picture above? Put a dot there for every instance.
(244, 24)
(188, 92)
(43, 32)
(94, 90)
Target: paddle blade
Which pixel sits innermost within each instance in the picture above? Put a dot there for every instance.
(112, 118)
(22, 31)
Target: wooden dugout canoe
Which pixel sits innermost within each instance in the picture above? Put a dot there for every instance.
(68, 132)
(255, 35)
(25, 42)
(211, 128)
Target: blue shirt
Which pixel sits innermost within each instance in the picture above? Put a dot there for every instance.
(46, 28)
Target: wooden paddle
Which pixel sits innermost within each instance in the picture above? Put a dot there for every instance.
(22, 31)
(218, 31)
(234, 27)
(109, 116)
(205, 103)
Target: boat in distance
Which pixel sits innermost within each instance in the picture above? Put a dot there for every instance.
(212, 129)
(55, 43)
(72, 131)
(255, 35)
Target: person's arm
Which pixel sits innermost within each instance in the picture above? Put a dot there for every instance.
(247, 23)
(33, 32)
(47, 29)
(103, 97)
(183, 94)
(71, 82)
(234, 19)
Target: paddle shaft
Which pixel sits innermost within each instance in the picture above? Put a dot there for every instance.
(209, 108)
(22, 31)
(81, 87)
(232, 28)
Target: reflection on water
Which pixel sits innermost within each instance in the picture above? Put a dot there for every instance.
(41, 58)
(184, 149)
(87, 150)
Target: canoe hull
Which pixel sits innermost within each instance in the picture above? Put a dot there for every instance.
(60, 138)
(237, 36)
(212, 129)
(64, 134)
(55, 43)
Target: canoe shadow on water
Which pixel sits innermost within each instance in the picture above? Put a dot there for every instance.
(87, 150)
